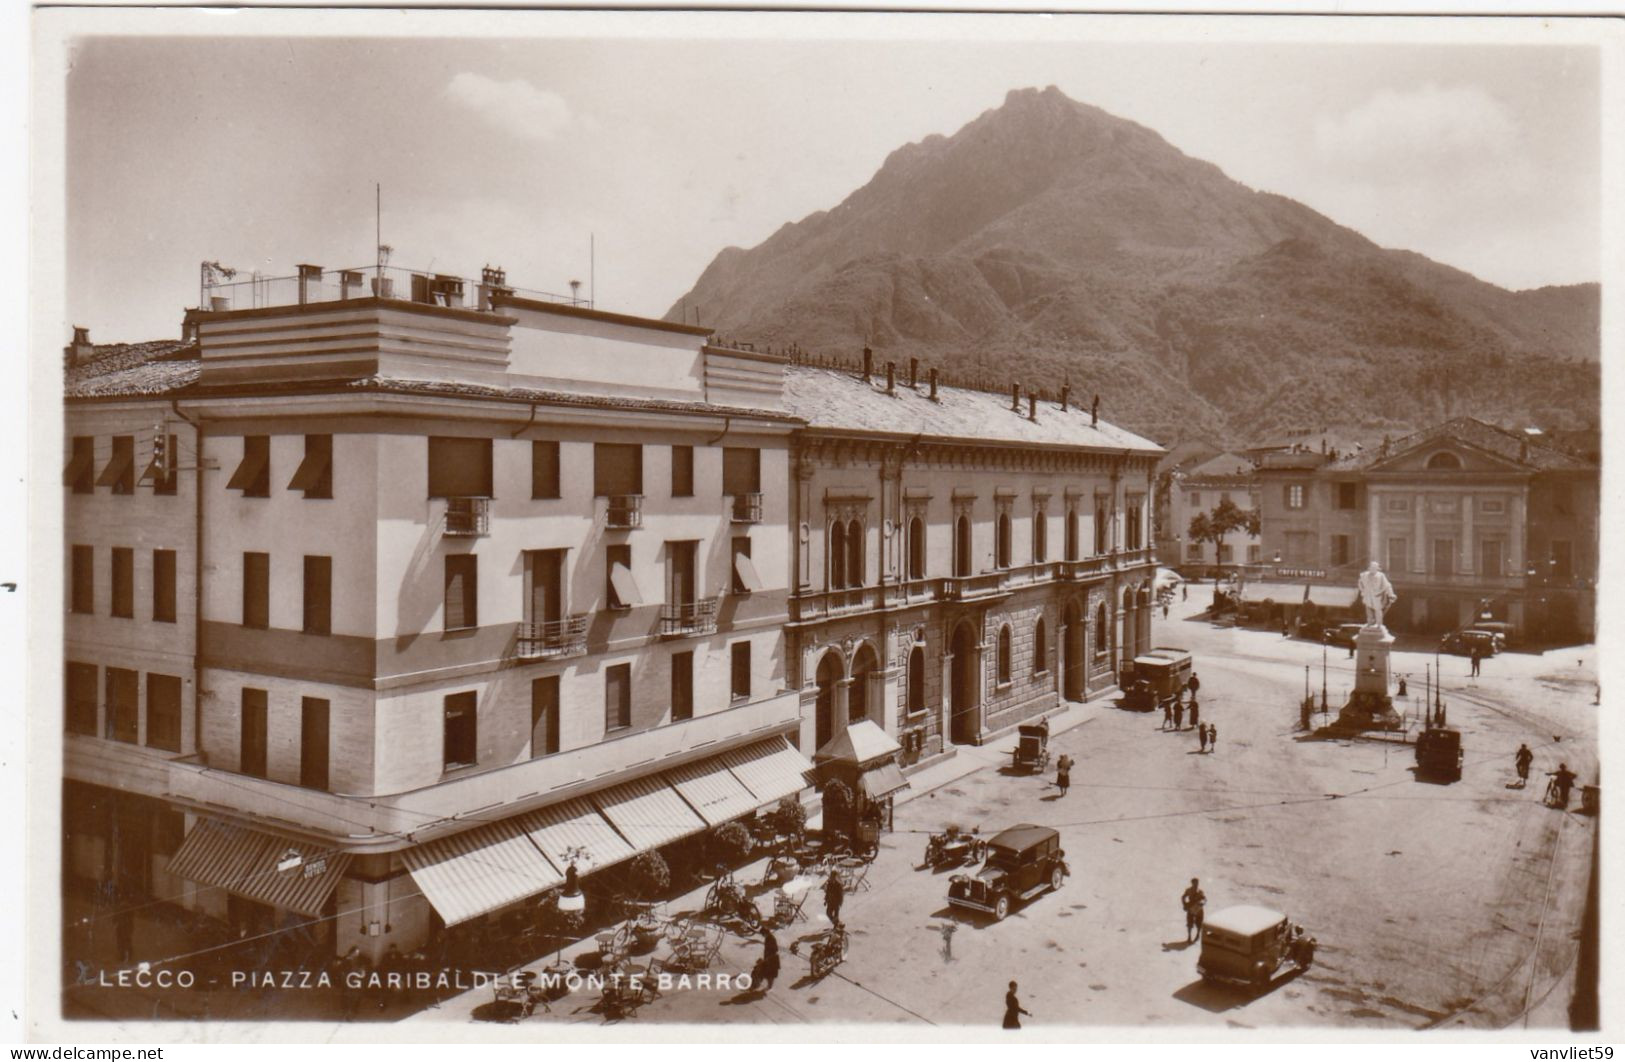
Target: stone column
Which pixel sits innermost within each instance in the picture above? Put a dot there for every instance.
(1469, 558)
(1516, 561)
(841, 708)
(1375, 546)
(1419, 546)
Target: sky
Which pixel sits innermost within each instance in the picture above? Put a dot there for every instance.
(626, 154)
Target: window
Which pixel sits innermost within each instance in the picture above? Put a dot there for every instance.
(164, 712)
(962, 546)
(544, 716)
(1071, 543)
(916, 548)
(314, 714)
(123, 582)
(1301, 547)
(82, 581)
(123, 705)
(1040, 536)
(314, 475)
(1492, 505)
(837, 555)
(1348, 495)
(257, 590)
(81, 471)
(1399, 555)
(739, 686)
(544, 577)
(459, 733)
(253, 475)
(1001, 544)
(682, 686)
(620, 590)
(544, 469)
(318, 595)
(1398, 505)
(120, 471)
(745, 578)
(1340, 549)
(682, 572)
(1294, 495)
(81, 696)
(1102, 631)
(1446, 506)
(1227, 553)
(916, 680)
(1102, 513)
(855, 573)
(617, 468)
(1444, 461)
(1193, 551)
(1562, 559)
(1040, 648)
(462, 592)
(1255, 552)
(1196, 499)
(459, 467)
(682, 471)
(1133, 525)
(618, 697)
(1004, 655)
(162, 468)
(252, 741)
(1490, 558)
(741, 470)
(163, 585)
(1444, 556)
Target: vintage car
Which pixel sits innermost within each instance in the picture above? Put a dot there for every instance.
(1506, 632)
(1463, 642)
(1250, 946)
(1342, 635)
(1022, 862)
(1032, 747)
(1438, 753)
(1155, 678)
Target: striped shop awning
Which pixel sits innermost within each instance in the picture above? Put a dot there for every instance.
(218, 853)
(468, 874)
(648, 812)
(713, 791)
(575, 828)
(770, 769)
(245, 862)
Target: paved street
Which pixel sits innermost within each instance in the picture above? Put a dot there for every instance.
(1451, 905)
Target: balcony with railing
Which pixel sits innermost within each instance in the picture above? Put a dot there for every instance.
(224, 290)
(684, 618)
(553, 639)
(625, 512)
(1134, 558)
(819, 604)
(1085, 567)
(747, 508)
(970, 587)
(468, 517)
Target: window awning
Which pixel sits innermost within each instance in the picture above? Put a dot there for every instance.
(468, 874)
(1334, 596)
(119, 464)
(1281, 593)
(882, 781)
(772, 770)
(626, 588)
(746, 572)
(218, 854)
(151, 472)
(648, 812)
(246, 862)
(713, 791)
(311, 470)
(253, 463)
(576, 829)
(78, 465)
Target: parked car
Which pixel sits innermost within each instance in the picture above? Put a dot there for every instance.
(1507, 632)
(1343, 634)
(1250, 946)
(1022, 862)
(1463, 642)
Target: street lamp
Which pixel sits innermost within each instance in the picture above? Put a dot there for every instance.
(1325, 701)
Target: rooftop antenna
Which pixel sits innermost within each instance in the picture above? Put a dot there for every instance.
(592, 270)
(378, 228)
(575, 293)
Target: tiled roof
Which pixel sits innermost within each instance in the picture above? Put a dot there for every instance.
(559, 398)
(1512, 446)
(839, 400)
(133, 369)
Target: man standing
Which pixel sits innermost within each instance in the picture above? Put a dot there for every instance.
(1213, 737)
(1196, 711)
(1523, 759)
(1193, 900)
(1179, 715)
(1167, 714)
(767, 969)
(834, 893)
(1476, 658)
(1201, 737)
(1193, 684)
(1013, 1009)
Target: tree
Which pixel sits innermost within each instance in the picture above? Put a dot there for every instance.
(1225, 518)
(649, 876)
(730, 844)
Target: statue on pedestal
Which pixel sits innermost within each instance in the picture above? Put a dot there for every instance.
(1377, 593)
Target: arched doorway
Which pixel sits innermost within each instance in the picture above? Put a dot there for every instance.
(1072, 646)
(863, 671)
(830, 673)
(965, 685)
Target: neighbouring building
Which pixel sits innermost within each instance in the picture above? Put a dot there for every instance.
(1467, 519)
(1201, 489)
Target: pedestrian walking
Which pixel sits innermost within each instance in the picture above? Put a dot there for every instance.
(1063, 773)
(1563, 780)
(767, 967)
(1167, 714)
(1013, 1009)
(1184, 592)
(1213, 737)
(1193, 900)
(1196, 712)
(1193, 684)
(1165, 608)
(1201, 737)
(1402, 685)
(1179, 715)
(1523, 759)
(1351, 650)
(834, 893)
(1477, 658)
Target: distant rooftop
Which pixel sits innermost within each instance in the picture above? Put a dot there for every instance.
(224, 289)
(1515, 446)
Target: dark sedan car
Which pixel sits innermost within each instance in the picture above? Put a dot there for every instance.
(1022, 862)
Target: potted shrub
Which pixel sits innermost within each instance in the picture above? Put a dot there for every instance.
(649, 879)
(790, 818)
(730, 844)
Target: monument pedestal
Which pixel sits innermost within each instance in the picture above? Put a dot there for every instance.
(1369, 707)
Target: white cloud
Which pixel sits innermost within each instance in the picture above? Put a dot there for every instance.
(515, 106)
(1400, 137)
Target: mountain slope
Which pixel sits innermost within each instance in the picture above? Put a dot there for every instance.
(1048, 240)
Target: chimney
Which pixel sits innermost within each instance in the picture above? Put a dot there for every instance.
(1094, 413)
(81, 347)
(1066, 390)
(891, 378)
(1032, 405)
(868, 364)
(933, 385)
(1015, 397)
(914, 372)
(309, 276)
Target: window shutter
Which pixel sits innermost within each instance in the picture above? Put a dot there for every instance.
(462, 592)
(544, 468)
(741, 470)
(315, 473)
(459, 467)
(256, 589)
(617, 468)
(318, 595)
(682, 471)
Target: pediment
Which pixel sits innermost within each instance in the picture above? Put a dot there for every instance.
(1446, 456)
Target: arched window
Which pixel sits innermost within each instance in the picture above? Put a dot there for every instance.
(962, 546)
(1004, 655)
(1001, 551)
(1071, 534)
(1040, 536)
(1444, 461)
(1102, 631)
(1040, 648)
(854, 553)
(837, 555)
(916, 680)
(916, 548)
